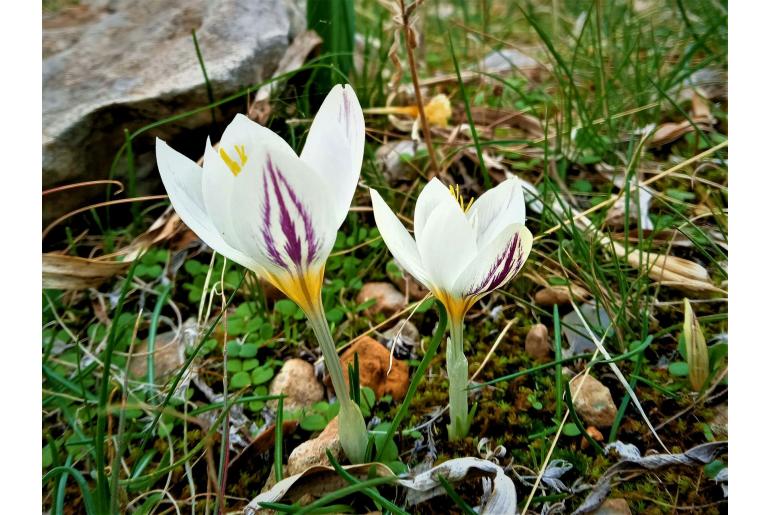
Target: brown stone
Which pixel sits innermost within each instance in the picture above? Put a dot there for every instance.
(98, 80)
(313, 452)
(168, 356)
(593, 402)
(297, 381)
(373, 363)
(388, 300)
(617, 506)
(552, 295)
(537, 344)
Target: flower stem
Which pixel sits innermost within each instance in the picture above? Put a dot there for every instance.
(457, 368)
(352, 429)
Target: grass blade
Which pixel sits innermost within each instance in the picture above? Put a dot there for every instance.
(438, 336)
(371, 492)
(466, 101)
(88, 500)
(459, 501)
(278, 450)
(102, 486)
(209, 90)
(557, 353)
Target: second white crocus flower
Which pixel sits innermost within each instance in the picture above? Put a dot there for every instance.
(460, 252)
(259, 204)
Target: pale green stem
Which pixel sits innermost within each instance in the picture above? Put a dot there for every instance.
(457, 368)
(352, 429)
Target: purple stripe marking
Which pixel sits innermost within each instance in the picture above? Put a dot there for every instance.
(344, 112)
(272, 250)
(310, 236)
(509, 261)
(293, 245)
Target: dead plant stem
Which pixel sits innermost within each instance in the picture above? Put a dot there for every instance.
(410, 44)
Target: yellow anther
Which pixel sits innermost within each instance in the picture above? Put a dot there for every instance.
(454, 190)
(232, 165)
(241, 149)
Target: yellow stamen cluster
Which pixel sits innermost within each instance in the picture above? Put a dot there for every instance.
(231, 164)
(455, 191)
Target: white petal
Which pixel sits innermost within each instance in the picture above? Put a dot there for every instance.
(335, 147)
(433, 194)
(245, 131)
(496, 209)
(279, 210)
(397, 238)
(243, 144)
(216, 190)
(446, 244)
(182, 179)
(496, 263)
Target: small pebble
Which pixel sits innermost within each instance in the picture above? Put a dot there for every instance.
(617, 506)
(593, 402)
(536, 343)
(553, 295)
(388, 300)
(297, 381)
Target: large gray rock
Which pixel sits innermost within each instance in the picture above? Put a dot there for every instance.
(115, 64)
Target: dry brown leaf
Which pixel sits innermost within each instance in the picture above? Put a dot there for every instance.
(64, 272)
(700, 115)
(316, 481)
(561, 294)
(673, 271)
(313, 482)
(657, 238)
(492, 117)
(164, 228)
(425, 485)
(668, 132)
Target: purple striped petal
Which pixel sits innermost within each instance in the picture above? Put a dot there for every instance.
(507, 264)
(267, 235)
(296, 242)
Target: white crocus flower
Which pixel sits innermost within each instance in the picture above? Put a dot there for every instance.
(460, 252)
(259, 204)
